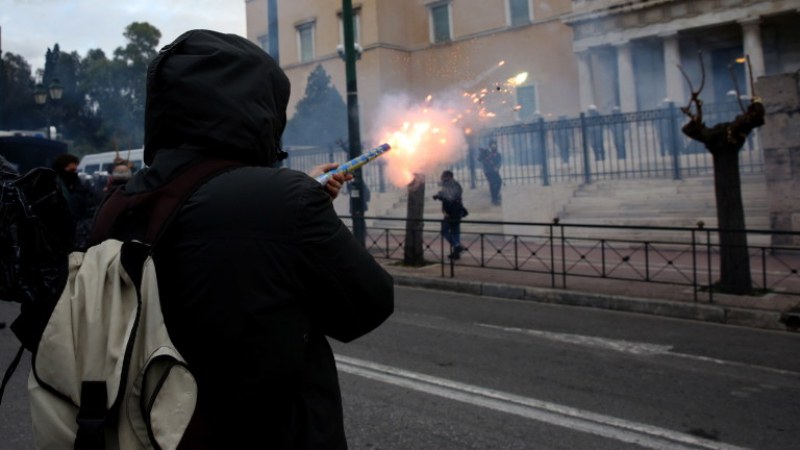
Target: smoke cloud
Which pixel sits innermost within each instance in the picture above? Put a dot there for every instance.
(424, 136)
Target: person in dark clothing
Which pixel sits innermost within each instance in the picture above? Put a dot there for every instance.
(119, 176)
(453, 210)
(80, 198)
(595, 133)
(618, 129)
(491, 160)
(563, 138)
(256, 270)
(668, 135)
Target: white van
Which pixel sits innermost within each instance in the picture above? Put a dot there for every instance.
(104, 162)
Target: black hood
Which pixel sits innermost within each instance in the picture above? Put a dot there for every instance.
(217, 93)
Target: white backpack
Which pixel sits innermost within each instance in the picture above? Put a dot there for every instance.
(106, 374)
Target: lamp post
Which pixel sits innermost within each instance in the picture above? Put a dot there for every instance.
(354, 133)
(54, 91)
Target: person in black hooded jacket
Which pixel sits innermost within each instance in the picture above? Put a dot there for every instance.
(256, 269)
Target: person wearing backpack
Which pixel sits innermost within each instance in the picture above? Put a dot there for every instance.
(256, 271)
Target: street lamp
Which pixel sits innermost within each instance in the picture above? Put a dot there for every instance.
(54, 91)
(353, 127)
(343, 55)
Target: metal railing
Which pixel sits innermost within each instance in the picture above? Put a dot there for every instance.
(687, 257)
(635, 145)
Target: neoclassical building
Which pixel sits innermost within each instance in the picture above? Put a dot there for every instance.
(627, 52)
(426, 47)
(577, 53)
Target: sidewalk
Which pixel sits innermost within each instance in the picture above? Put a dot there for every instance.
(771, 311)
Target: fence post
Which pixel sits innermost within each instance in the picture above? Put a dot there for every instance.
(552, 255)
(472, 143)
(695, 287)
(543, 147)
(381, 179)
(587, 171)
(674, 140)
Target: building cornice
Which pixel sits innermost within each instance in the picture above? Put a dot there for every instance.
(587, 39)
(610, 9)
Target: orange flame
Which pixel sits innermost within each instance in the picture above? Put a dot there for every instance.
(423, 138)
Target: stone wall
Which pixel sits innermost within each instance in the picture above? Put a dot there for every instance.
(780, 137)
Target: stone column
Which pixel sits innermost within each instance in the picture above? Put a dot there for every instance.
(672, 75)
(751, 29)
(626, 79)
(781, 143)
(585, 79)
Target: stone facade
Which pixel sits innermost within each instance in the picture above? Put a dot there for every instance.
(780, 137)
(630, 50)
(608, 53)
(399, 57)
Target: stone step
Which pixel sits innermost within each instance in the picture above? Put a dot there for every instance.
(658, 203)
(756, 223)
(649, 199)
(691, 183)
(631, 238)
(650, 210)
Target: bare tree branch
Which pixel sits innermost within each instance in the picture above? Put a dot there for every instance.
(691, 88)
(696, 118)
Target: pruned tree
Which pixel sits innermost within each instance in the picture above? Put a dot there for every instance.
(413, 250)
(724, 141)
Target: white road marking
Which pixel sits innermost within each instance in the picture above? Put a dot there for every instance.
(636, 348)
(644, 435)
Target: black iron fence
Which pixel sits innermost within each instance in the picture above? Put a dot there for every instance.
(589, 147)
(672, 256)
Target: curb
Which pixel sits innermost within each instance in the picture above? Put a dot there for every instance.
(752, 318)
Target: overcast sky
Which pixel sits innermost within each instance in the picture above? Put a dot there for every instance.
(30, 27)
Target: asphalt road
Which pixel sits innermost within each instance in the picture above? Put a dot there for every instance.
(453, 371)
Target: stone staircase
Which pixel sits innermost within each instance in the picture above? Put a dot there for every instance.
(393, 204)
(636, 203)
(661, 203)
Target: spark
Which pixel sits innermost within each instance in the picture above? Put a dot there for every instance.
(518, 79)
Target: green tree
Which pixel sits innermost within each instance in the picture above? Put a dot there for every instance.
(321, 116)
(68, 114)
(115, 89)
(17, 109)
(130, 67)
(104, 99)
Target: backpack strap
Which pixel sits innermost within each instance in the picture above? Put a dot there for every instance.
(10, 371)
(92, 417)
(145, 216)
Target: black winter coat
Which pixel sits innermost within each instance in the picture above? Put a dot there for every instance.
(256, 269)
(254, 272)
